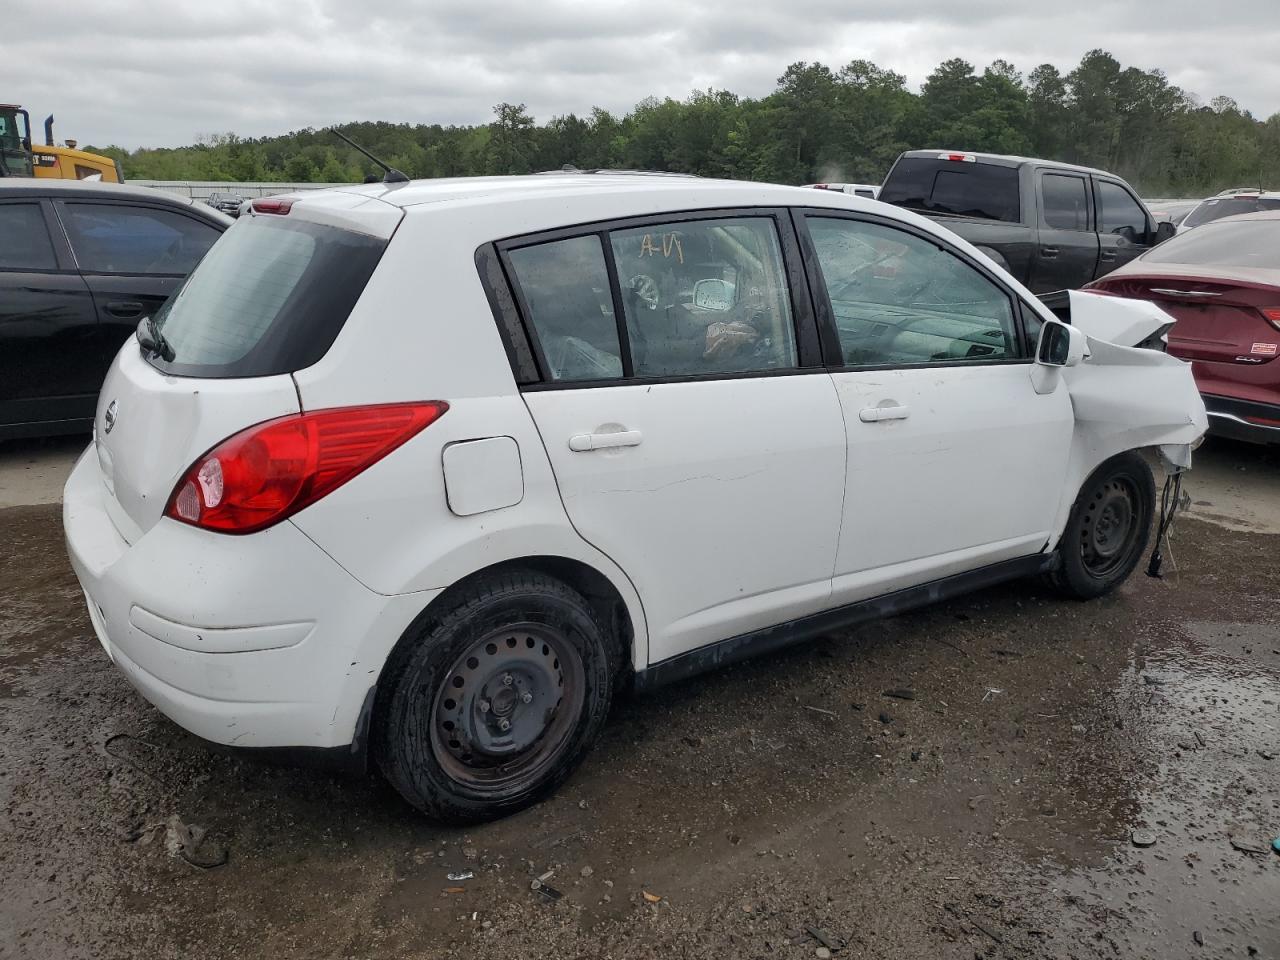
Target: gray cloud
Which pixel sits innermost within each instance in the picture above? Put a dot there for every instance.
(142, 73)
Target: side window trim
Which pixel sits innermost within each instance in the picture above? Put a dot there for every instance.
(1091, 222)
(805, 326)
(515, 339)
(826, 313)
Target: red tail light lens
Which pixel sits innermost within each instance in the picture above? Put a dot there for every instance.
(1272, 314)
(270, 471)
(273, 205)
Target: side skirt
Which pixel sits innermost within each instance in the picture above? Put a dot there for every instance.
(747, 645)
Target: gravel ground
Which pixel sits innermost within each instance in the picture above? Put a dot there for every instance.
(971, 780)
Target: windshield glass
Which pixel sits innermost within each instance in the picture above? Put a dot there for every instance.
(1236, 243)
(1220, 207)
(951, 186)
(268, 298)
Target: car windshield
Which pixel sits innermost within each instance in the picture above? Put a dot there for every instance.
(268, 298)
(949, 186)
(1219, 207)
(1228, 243)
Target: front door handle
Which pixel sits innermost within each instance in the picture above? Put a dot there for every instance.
(1049, 252)
(1108, 255)
(125, 309)
(893, 411)
(584, 442)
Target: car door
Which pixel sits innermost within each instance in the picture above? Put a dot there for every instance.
(1067, 254)
(694, 435)
(1124, 228)
(48, 372)
(955, 462)
(133, 256)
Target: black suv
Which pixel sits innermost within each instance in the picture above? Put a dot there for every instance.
(80, 264)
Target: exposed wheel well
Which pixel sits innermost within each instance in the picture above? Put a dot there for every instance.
(594, 586)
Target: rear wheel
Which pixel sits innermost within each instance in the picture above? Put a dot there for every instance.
(495, 701)
(1108, 530)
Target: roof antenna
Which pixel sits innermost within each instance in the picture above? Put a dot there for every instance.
(392, 175)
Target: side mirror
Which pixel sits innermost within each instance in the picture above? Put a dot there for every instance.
(1164, 231)
(1060, 345)
(713, 294)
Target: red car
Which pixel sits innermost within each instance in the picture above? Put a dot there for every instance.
(1221, 282)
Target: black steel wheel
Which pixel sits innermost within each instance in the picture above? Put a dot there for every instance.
(1108, 529)
(491, 701)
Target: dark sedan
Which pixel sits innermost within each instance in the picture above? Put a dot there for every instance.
(1221, 282)
(80, 264)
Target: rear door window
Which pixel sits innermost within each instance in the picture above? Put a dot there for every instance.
(705, 297)
(24, 238)
(972, 189)
(270, 298)
(1064, 202)
(115, 238)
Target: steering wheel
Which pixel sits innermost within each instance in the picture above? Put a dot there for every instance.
(645, 289)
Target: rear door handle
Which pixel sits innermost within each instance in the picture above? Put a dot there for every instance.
(896, 411)
(584, 442)
(125, 309)
(1049, 252)
(1108, 255)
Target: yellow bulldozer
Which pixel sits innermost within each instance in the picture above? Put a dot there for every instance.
(19, 157)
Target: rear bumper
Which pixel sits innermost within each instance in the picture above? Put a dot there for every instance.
(1243, 419)
(251, 641)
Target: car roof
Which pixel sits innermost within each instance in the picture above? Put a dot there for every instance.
(501, 190)
(1010, 160)
(11, 187)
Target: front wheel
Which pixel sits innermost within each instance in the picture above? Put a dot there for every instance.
(1108, 529)
(496, 700)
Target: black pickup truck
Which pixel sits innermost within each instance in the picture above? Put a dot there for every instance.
(1053, 226)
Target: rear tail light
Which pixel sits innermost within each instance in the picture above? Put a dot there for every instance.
(1272, 314)
(270, 471)
(273, 205)
(821, 186)
(961, 157)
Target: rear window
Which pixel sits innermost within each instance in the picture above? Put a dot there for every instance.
(952, 186)
(1247, 243)
(1221, 207)
(269, 298)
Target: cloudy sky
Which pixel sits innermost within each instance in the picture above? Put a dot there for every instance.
(142, 73)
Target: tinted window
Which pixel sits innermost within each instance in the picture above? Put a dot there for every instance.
(24, 238)
(705, 296)
(953, 186)
(899, 299)
(113, 238)
(1120, 213)
(565, 285)
(269, 298)
(1248, 243)
(1065, 203)
(1217, 208)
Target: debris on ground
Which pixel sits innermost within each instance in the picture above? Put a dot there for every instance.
(461, 875)
(190, 842)
(1142, 838)
(586, 871)
(828, 940)
(901, 694)
(1247, 846)
(651, 897)
(829, 713)
(539, 886)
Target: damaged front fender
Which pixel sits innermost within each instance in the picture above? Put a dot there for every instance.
(1126, 397)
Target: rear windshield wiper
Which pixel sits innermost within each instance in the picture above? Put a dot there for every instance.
(152, 341)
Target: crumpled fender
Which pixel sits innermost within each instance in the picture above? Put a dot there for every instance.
(1118, 320)
(1126, 397)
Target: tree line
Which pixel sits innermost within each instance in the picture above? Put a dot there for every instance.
(818, 124)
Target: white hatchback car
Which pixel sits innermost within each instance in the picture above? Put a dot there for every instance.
(423, 472)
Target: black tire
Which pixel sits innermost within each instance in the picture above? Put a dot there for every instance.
(1108, 529)
(519, 647)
